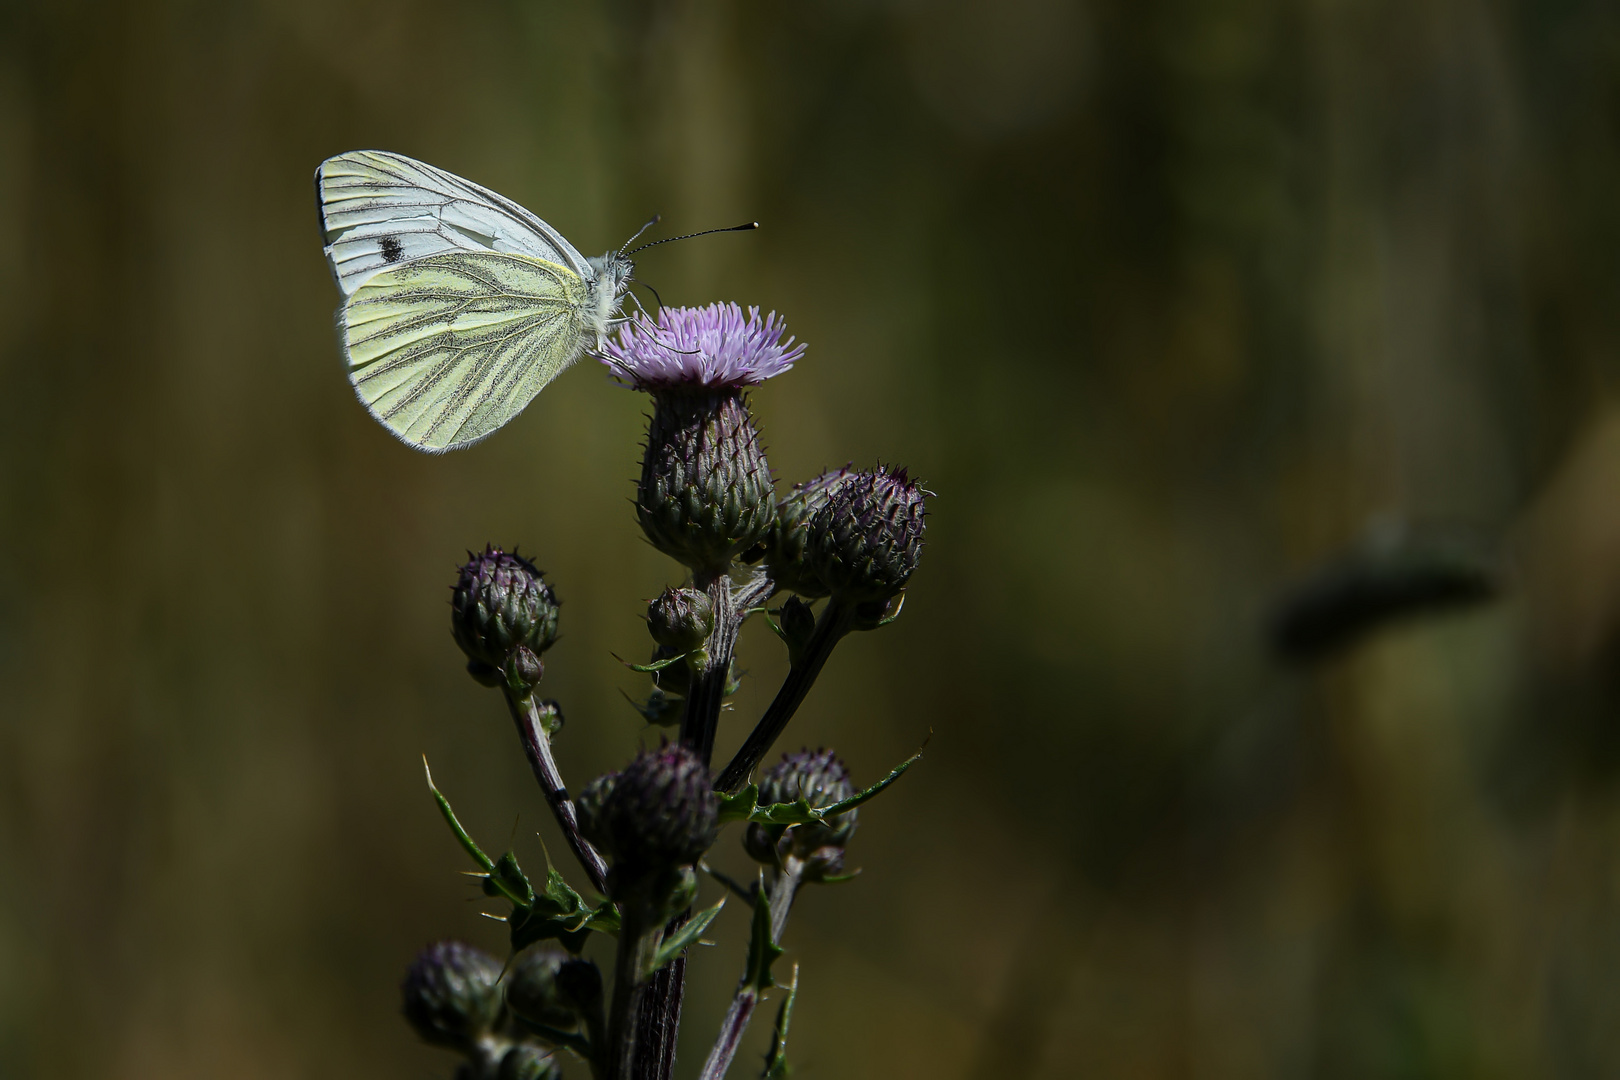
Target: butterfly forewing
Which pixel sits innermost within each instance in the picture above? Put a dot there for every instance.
(446, 348)
(380, 210)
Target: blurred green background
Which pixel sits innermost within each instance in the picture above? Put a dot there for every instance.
(1167, 299)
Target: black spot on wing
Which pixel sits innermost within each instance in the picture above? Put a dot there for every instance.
(391, 250)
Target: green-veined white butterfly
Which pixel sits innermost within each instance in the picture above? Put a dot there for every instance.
(459, 304)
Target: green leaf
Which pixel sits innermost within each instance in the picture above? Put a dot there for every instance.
(677, 943)
(872, 792)
(730, 882)
(529, 926)
(656, 665)
(484, 862)
(559, 900)
(801, 812)
(784, 813)
(509, 878)
(661, 709)
(762, 951)
(740, 806)
(604, 919)
(776, 1064)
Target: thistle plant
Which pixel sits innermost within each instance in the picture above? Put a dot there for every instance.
(830, 557)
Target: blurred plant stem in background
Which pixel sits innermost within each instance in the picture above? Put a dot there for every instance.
(1170, 298)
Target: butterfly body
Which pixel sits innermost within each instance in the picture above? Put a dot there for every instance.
(460, 305)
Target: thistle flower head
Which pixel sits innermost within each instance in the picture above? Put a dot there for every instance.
(819, 777)
(865, 540)
(785, 545)
(451, 994)
(503, 615)
(660, 812)
(705, 492)
(714, 346)
(681, 619)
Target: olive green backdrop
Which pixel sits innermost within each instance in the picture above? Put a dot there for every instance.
(1167, 300)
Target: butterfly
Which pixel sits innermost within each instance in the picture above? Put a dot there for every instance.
(459, 305)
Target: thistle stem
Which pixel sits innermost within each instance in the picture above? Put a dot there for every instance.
(709, 684)
(659, 1022)
(783, 890)
(537, 748)
(638, 941)
(836, 621)
(660, 1006)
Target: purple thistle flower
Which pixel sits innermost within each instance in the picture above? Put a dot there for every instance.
(715, 346)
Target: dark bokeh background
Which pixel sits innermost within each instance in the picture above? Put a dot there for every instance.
(1167, 299)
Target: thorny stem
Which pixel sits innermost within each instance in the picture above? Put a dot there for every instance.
(709, 684)
(537, 748)
(836, 621)
(637, 943)
(659, 1022)
(660, 1008)
(783, 890)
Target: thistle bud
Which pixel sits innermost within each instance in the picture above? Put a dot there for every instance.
(532, 992)
(661, 812)
(528, 1063)
(819, 777)
(503, 615)
(789, 536)
(589, 809)
(865, 540)
(451, 994)
(705, 491)
(798, 623)
(579, 984)
(681, 620)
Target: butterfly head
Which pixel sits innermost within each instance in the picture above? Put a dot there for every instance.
(614, 272)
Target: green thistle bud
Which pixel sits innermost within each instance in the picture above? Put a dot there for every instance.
(681, 620)
(451, 994)
(589, 808)
(705, 491)
(821, 778)
(866, 539)
(661, 812)
(528, 1063)
(532, 992)
(788, 538)
(579, 984)
(503, 615)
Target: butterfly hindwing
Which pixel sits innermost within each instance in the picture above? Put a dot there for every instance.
(445, 348)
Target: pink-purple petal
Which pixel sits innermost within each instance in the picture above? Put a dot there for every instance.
(710, 346)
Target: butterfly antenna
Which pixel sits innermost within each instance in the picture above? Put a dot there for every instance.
(655, 219)
(744, 227)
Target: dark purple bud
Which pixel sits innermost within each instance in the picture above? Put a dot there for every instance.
(661, 812)
(785, 544)
(820, 778)
(705, 491)
(589, 808)
(866, 539)
(503, 615)
(451, 994)
(681, 620)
